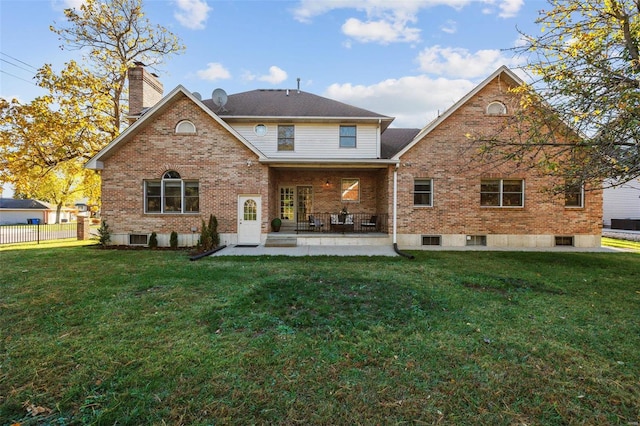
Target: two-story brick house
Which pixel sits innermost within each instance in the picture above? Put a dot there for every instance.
(333, 173)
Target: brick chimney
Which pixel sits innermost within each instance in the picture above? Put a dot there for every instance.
(145, 90)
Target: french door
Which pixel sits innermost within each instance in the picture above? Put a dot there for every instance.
(296, 203)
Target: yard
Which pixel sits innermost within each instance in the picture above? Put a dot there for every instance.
(93, 336)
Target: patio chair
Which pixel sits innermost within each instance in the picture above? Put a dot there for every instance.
(371, 225)
(315, 224)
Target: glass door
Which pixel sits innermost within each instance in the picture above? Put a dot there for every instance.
(305, 202)
(287, 206)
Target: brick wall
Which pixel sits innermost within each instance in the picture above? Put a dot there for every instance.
(212, 156)
(145, 89)
(445, 155)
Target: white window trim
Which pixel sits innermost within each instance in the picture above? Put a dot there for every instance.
(341, 190)
(355, 138)
(581, 206)
(430, 192)
(183, 183)
(185, 123)
(501, 193)
(503, 108)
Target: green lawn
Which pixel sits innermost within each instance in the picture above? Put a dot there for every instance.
(106, 337)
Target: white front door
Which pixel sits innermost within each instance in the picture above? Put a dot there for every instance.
(249, 219)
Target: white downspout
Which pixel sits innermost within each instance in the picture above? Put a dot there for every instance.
(395, 215)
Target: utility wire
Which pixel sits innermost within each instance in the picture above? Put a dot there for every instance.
(19, 78)
(16, 59)
(17, 66)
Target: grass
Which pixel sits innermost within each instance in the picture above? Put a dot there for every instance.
(93, 336)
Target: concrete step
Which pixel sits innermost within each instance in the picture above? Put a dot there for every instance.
(274, 240)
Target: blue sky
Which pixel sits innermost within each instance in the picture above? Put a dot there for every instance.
(406, 59)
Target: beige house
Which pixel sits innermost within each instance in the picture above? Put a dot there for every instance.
(333, 173)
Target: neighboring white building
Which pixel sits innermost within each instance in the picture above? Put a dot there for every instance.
(17, 211)
(622, 202)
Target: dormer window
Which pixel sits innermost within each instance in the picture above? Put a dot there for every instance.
(186, 127)
(496, 108)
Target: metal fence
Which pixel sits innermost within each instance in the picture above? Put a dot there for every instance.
(12, 234)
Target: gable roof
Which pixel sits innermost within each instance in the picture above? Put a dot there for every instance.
(107, 151)
(393, 140)
(291, 104)
(500, 72)
(21, 204)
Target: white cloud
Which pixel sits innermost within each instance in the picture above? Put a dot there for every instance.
(276, 75)
(381, 31)
(461, 63)
(449, 27)
(192, 13)
(414, 101)
(391, 21)
(215, 71)
(510, 8)
(66, 4)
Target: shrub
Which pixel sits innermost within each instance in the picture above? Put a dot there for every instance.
(105, 234)
(209, 237)
(153, 240)
(173, 240)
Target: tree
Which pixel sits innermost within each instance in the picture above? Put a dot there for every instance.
(580, 118)
(112, 35)
(84, 109)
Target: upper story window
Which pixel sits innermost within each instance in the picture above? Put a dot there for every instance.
(286, 138)
(574, 196)
(350, 190)
(422, 192)
(502, 193)
(496, 108)
(185, 126)
(171, 194)
(347, 136)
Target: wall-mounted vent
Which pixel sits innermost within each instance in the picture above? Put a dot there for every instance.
(564, 240)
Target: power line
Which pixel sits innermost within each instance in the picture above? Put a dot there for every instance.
(17, 66)
(19, 78)
(16, 59)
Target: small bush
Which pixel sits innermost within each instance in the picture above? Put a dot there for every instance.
(173, 240)
(153, 240)
(209, 237)
(105, 234)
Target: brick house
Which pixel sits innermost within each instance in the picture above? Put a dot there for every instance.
(333, 173)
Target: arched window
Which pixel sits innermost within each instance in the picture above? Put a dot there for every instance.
(185, 126)
(171, 194)
(250, 210)
(496, 108)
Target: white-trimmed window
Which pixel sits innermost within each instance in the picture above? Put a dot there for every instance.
(286, 138)
(185, 126)
(574, 196)
(423, 192)
(348, 136)
(496, 108)
(171, 194)
(350, 190)
(502, 193)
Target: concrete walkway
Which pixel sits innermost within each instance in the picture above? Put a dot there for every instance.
(261, 250)
(319, 250)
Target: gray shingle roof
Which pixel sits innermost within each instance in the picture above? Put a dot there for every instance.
(276, 103)
(393, 140)
(18, 204)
